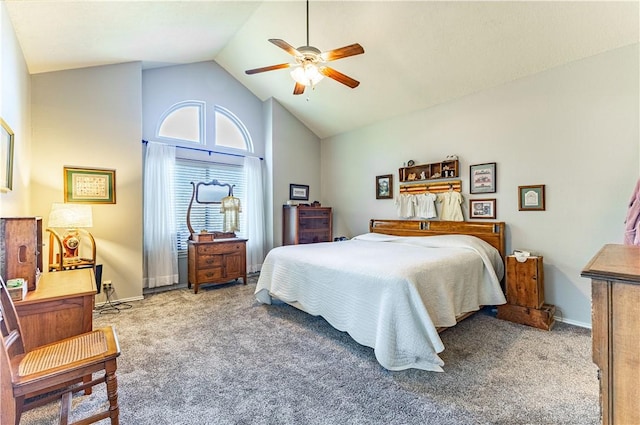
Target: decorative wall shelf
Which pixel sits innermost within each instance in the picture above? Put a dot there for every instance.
(437, 170)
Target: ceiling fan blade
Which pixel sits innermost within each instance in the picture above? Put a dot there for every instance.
(285, 46)
(298, 89)
(342, 52)
(339, 77)
(268, 68)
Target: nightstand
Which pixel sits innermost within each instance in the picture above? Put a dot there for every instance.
(525, 294)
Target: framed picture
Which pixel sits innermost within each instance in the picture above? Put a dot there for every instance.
(298, 192)
(531, 198)
(384, 186)
(482, 208)
(89, 185)
(482, 178)
(6, 157)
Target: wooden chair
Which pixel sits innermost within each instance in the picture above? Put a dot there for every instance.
(54, 371)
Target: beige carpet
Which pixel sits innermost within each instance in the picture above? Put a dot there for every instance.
(219, 357)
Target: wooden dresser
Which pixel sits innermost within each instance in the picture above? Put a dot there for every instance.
(60, 307)
(218, 261)
(615, 318)
(303, 224)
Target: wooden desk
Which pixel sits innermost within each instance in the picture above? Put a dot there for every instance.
(60, 307)
(615, 321)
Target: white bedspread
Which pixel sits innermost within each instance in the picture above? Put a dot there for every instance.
(388, 292)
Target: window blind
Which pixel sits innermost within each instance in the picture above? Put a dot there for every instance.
(204, 216)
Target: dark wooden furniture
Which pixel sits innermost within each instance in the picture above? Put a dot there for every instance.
(525, 294)
(53, 372)
(615, 319)
(21, 249)
(60, 307)
(217, 261)
(303, 224)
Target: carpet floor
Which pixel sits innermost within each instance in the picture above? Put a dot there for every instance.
(220, 357)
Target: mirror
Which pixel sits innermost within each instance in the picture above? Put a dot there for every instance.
(210, 193)
(207, 193)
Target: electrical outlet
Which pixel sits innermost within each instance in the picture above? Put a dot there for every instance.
(106, 285)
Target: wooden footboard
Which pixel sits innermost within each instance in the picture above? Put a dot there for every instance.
(490, 232)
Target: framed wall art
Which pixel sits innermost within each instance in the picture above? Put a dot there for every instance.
(298, 192)
(6, 157)
(482, 208)
(384, 186)
(89, 185)
(531, 198)
(482, 178)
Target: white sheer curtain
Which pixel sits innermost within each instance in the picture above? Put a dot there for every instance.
(160, 250)
(254, 209)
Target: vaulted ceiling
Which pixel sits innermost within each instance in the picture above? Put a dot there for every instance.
(417, 53)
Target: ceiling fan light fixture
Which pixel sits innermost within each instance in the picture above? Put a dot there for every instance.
(307, 75)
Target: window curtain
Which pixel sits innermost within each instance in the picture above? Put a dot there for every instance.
(254, 211)
(160, 252)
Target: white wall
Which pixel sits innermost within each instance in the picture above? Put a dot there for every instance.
(92, 118)
(15, 111)
(295, 158)
(574, 128)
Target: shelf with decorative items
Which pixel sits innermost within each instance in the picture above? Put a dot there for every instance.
(436, 170)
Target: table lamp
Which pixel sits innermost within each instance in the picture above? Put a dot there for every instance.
(70, 217)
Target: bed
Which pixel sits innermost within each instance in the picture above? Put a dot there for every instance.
(394, 288)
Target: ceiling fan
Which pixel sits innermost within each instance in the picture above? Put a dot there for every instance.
(309, 66)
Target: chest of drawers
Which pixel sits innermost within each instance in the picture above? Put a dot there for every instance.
(301, 224)
(216, 262)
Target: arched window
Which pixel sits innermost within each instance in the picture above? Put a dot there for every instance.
(183, 122)
(230, 131)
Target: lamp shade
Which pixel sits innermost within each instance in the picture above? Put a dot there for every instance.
(307, 75)
(70, 216)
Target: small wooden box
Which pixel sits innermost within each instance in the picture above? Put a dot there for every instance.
(17, 289)
(202, 237)
(542, 318)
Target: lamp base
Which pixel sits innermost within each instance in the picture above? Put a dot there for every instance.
(70, 244)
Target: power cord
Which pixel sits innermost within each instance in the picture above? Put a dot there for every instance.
(110, 307)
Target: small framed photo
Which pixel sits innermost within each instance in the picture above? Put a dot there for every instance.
(6, 157)
(482, 208)
(531, 198)
(89, 185)
(298, 192)
(384, 186)
(482, 178)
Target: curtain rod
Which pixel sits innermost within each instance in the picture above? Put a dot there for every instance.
(208, 151)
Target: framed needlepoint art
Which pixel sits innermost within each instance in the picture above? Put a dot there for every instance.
(531, 198)
(482, 178)
(89, 185)
(299, 192)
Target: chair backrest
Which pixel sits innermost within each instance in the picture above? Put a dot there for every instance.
(9, 323)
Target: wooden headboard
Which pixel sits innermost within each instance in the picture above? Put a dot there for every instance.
(490, 232)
